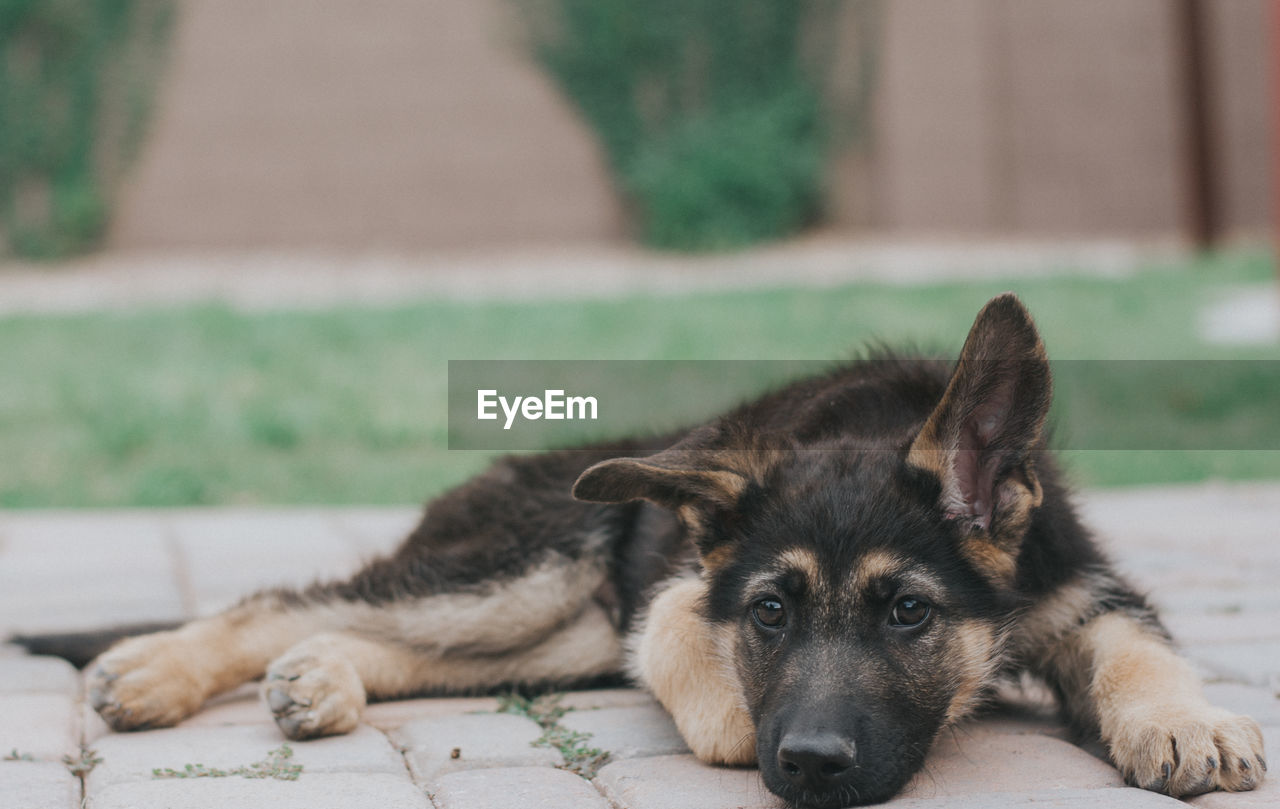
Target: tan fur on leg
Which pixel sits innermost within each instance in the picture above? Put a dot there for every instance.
(682, 662)
(157, 680)
(1160, 730)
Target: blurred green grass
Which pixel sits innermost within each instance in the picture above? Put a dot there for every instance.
(206, 405)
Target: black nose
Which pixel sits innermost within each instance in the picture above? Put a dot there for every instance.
(815, 762)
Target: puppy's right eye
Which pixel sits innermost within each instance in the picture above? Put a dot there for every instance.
(769, 613)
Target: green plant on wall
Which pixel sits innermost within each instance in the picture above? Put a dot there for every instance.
(76, 82)
(717, 116)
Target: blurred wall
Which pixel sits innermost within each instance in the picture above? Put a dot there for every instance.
(419, 124)
(360, 124)
(1047, 117)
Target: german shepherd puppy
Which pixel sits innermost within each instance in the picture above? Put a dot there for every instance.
(818, 582)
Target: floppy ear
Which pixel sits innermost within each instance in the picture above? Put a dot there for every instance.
(980, 440)
(694, 484)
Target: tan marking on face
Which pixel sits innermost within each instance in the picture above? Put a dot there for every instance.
(877, 564)
(689, 667)
(805, 562)
(1151, 713)
(972, 657)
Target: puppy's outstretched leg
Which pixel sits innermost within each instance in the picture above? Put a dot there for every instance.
(1120, 675)
(157, 680)
(320, 685)
(679, 657)
(331, 646)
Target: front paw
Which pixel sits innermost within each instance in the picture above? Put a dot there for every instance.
(144, 683)
(1187, 751)
(312, 695)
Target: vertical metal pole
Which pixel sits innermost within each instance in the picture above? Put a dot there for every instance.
(1203, 214)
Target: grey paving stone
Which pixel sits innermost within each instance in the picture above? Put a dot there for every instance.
(1261, 704)
(133, 756)
(48, 593)
(481, 741)
(1248, 600)
(45, 674)
(1192, 628)
(1254, 663)
(67, 570)
(320, 791)
(394, 714)
(1172, 566)
(1113, 798)
(241, 706)
(93, 535)
(516, 788)
(630, 732)
(374, 531)
(37, 785)
(1235, 520)
(42, 725)
(683, 782)
(63, 613)
(979, 759)
(231, 553)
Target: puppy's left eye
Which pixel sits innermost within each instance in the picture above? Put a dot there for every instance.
(769, 613)
(909, 611)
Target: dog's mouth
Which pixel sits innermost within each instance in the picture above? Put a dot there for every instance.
(826, 771)
(849, 794)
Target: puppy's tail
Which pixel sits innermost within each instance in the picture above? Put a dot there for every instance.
(81, 647)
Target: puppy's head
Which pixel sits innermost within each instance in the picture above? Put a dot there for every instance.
(862, 583)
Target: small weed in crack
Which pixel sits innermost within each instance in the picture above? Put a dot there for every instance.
(16, 756)
(82, 766)
(278, 764)
(547, 711)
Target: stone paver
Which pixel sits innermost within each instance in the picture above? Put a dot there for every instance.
(1207, 554)
(133, 756)
(40, 725)
(516, 788)
(435, 747)
(58, 571)
(308, 792)
(629, 732)
(37, 784)
(389, 715)
(231, 554)
(683, 782)
(978, 760)
(40, 674)
(1047, 799)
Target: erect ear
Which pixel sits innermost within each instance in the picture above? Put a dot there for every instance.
(699, 486)
(980, 440)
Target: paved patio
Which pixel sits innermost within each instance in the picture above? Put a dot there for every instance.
(1208, 554)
